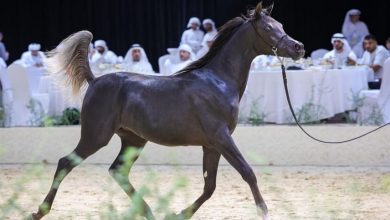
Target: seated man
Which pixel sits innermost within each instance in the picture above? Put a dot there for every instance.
(193, 36)
(103, 54)
(374, 56)
(33, 57)
(136, 60)
(341, 54)
(185, 58)
(208, 39)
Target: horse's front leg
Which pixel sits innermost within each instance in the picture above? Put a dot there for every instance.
(210, 167)
(223, 143)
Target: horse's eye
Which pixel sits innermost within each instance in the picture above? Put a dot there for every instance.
(268, 28)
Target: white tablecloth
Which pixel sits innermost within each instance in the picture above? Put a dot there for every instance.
(315, 94)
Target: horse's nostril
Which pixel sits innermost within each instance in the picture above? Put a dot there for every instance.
(298, 47)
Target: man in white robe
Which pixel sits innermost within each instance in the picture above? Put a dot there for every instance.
(355, 31)
(102, 54)
(208, 38)
(341, 55)
(186, 56)
(136, 60)
(374, 57)
(33, 57)
(193, 36)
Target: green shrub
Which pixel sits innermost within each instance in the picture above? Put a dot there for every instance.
(70, 116)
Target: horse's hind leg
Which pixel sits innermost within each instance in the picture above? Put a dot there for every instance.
(92, 139)
(120, 168)
(210, 167)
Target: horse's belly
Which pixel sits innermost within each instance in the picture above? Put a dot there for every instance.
(168, 130)
(171, 137)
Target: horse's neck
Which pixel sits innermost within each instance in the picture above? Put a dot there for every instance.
(234, 60)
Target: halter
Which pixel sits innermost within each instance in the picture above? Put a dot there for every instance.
(274, 49)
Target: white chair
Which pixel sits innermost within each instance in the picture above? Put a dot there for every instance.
(375, 107)
(27, 108)
(318, 54)
(161, 64)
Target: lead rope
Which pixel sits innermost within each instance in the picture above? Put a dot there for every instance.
(275, 50)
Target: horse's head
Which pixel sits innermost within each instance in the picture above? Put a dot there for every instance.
(271, 36)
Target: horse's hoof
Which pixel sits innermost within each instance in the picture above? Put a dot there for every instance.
(266, 217)
(174, 216)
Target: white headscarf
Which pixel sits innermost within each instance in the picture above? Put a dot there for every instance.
(129, 58)
(34, 47)
(101, 43)
(341, 37)
(193, 20)
(187, 48)
(209, 21)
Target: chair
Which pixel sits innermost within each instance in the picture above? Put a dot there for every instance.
(26, 108)
(318, 54)
(161, 64)
(375, 108)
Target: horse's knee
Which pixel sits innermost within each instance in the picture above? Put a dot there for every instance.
(65, 164)
(209, 190)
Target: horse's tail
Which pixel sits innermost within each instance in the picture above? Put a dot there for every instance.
(69, 60)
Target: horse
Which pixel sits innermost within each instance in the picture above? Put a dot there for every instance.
(196, 106)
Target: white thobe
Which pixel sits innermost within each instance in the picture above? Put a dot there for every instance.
(193, 39)
(377, 57)
(28, 59)
(355, 34)
(139, 67)
(106, 57)
(175, 67)
(340, 59)
(209, 36)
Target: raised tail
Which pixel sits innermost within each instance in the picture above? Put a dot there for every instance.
(69, 60)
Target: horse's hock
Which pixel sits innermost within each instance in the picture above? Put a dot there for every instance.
(264, 145)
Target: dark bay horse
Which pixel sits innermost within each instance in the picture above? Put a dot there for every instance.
(197, 106)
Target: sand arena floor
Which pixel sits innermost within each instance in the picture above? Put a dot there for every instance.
(298, 178)
(291, 192)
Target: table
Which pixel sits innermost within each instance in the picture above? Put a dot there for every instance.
(315, 94)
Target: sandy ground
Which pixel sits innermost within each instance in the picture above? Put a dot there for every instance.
(291, 192)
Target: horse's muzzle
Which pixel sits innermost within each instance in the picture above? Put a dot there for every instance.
(299, 49)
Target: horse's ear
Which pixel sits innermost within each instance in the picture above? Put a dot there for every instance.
(258, 10)
(269, 9)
